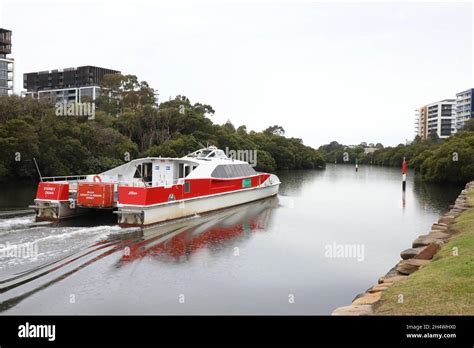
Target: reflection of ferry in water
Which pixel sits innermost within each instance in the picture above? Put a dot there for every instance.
(178, 240)
(151, 190)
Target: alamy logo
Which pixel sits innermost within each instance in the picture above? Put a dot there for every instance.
(76, 109)
(345, 251)
(37, 331)
(24, 250)
(249, 156)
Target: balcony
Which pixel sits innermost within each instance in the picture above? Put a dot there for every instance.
(5, 49)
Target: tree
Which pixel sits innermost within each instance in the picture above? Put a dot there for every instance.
(275, 130)
(469, 126)
(128, 124)
(416, 140)
(433, 137)
(242, 130)
(124, 92)
(229, 127)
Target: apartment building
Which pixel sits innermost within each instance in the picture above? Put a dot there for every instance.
(441, 118)
(421, 122)
(66, 85)
(464, 107)
(7, 83)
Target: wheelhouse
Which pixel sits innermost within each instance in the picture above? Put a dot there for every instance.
(151, 172)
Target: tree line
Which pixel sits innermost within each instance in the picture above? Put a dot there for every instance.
(438, 160)
(129, 124)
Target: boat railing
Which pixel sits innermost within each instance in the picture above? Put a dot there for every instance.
(73, 179)
(160, 183)
(65, 178)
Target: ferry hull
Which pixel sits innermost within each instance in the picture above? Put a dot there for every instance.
(143, 215)
(53, 211)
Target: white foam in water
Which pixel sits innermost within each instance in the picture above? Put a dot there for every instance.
(57, 242)
(286, 201)
(8, 224)
(73, 232)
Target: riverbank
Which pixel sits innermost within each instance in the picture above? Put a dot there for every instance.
(435, 276)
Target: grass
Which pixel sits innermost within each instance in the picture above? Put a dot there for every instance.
(443, 287)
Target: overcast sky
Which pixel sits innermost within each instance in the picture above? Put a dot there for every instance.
(349, 72)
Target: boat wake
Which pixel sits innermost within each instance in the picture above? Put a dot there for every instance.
(56, 253)
(11, 224)
(34, 258)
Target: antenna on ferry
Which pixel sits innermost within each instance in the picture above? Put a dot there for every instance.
(37, 168)
(197, 142)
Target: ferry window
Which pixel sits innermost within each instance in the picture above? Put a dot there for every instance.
(220, 154)
(147, 175)
(228, 172)
(219, 172)
(187, 170)
(235, 170)
(248, 170)
(240, 170)
(204, 153)
(181, 170)
(187, 187)
(138, 172)
(232, 171)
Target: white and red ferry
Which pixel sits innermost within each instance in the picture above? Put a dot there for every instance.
(151, 190)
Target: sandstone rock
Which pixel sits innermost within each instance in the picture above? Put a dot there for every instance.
(386, 280)
(423, 241)
(358, 296)
(354, 310)
(439, 227)
(428, 252)
(410, 253)
(446, 219)
(426, 239)
(409, 266)
(441, 235)
(460, 207)
(392, 272)
(379, 287)
(368, 299)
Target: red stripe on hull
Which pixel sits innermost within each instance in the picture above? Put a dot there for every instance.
(197, 188)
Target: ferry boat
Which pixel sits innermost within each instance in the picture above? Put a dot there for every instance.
(151, 190)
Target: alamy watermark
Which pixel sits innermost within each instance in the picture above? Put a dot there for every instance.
(249, 156)
(76, 109)
(28, 330)
(24, 251)
(346, 251)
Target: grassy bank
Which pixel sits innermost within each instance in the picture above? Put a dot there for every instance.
(444, 286)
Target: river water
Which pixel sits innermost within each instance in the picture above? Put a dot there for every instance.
(277, 256)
